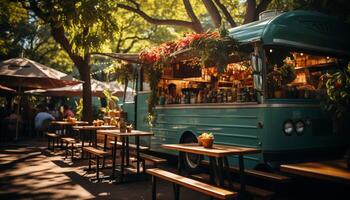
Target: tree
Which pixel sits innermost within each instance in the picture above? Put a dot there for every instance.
(80, 27)
(23, 34)
(214, 8)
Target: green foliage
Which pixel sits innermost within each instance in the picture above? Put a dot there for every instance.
(79, 108)
(338, 92)
(214, 50)
(121, 71)
(88, 23)
(111, 102)
(281, 76)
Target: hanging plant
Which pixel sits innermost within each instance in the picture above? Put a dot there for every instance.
(338, 93)
(214, 49)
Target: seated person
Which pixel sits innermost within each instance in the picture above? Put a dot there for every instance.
(42, 118)
(12, 120)
(67, 112)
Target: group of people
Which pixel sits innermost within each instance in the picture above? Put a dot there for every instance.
(49, 114)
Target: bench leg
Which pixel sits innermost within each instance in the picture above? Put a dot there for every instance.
(176, 191)
(154, 188)
(89, 161)
(97, 167)
(72, 149)
(53, 144)
(48, 142)
(66, 150)
(143, 165)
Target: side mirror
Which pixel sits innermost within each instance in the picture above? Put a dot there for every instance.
(256, 63)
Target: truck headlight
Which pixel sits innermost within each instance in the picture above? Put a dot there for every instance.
(288, 127)
(299, 127)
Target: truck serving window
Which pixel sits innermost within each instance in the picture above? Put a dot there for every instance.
(297, 75)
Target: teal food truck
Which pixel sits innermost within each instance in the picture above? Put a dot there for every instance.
(272, 103)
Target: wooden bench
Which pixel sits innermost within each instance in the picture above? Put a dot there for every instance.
(52, 137)
(259, 174)
(98, 154)
(257, 193)
(131, 146)
(198, 186)
(263, 175)
(67, 141)
(153, 159)
(144, 157)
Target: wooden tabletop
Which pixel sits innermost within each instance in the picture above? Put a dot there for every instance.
(118, 133)
(69, 123)
(215, 151)
(333, 170)
(91, 127)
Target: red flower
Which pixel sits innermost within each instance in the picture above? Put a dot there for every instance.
(338, 84)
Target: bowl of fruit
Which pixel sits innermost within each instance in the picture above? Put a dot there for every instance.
(206, 140)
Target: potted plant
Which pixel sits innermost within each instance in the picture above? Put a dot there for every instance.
(274, 80)
(279, 77)
(122, 126)
(206, 140)
(337, 102)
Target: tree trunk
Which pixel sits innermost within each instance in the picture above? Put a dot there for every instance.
(250, 11)
(213, 12)
(84, 72)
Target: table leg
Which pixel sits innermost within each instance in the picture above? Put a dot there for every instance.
(90, 137)
(104, 149)
(241, 176)
(123, 160)
(221, 171)
(95, 136)
(127, 152)
(82, 143)
(114, 155)
(214, 171)
(138, 154)
(227, 172)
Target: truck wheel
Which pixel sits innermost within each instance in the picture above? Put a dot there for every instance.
(190, 161)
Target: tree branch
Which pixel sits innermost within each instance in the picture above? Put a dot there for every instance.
(261, 7)
(250, 11)
(213, 12)
(192, 15)
(155, 21)
(227, 15)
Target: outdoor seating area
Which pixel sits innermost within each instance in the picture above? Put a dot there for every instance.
(184, 100)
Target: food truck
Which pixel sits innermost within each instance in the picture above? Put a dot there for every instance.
(270, 101)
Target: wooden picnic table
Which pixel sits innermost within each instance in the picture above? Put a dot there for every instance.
(218, 160)
(125, 148)
(331, 170)
(90, 129)
(66, 124)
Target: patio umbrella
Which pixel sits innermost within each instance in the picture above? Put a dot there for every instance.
(97, 88)
(24, 74)
(4, 89)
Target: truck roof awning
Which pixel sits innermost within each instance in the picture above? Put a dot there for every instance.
(304, 30)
